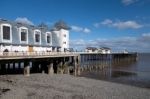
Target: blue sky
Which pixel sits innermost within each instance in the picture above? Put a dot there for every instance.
(118, 24)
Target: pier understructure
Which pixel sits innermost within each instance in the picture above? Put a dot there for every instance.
(43, 62)
(59, 62)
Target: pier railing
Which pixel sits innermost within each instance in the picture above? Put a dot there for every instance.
(15, 54)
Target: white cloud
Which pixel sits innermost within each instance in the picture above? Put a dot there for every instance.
(76, 28)
(80, 29)
(96, 25)
(106, 22)
(119, 24)
(24, 20)
(126, 25)
(129, 2)
(78, 42)
(86, 30)
(140, 44)
(146, 34)
(145, 38)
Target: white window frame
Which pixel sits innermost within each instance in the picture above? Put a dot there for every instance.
(35, 32)
(48, 33)
(4, 40)
(26, 42)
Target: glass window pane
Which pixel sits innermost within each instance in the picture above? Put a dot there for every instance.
(48, 39)
(6, 32)
(23, 34)
(37, 38)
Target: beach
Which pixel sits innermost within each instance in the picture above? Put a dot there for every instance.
(57, 86)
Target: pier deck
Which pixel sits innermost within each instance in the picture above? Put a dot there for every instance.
(30, 55)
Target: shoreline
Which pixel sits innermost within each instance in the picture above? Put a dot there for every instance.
(57, 86)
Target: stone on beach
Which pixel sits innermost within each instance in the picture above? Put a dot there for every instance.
(43, 86)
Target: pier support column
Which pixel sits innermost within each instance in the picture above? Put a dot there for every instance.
(14, 67)
(78, 66)
(50, 69)
(36, 67)
(44, 67)
(68, 70)
(26, 69)
(75, 66)
(19, 67)
(61, 69)
(3, 68)
(8, 67)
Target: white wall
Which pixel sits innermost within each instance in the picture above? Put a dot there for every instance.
(20, 48)
(64, 39)
(42, 49)
(5, 47)
(105, 51)
(12, 48)
(60, 39)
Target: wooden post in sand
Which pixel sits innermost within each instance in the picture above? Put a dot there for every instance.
(61, 67)
(75, 66)
(78, 66)
(50, 69)
(26, 69)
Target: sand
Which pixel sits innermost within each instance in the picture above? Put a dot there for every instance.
(57, 86)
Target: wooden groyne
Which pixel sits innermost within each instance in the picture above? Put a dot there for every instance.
(59, 62)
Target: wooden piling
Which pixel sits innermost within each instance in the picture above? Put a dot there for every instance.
(26, 69)
(75, 66)
(50, 69)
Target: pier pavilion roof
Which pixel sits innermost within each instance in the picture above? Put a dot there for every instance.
(60, 25)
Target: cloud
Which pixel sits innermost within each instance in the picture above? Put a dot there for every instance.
(119, 24)
(146, 35)
(145, 38)
(106, 22)
(86, 30)
(129, 2)
(24, 20)
(80, 29)
(79, 42)
(126, 25)
(139, 44)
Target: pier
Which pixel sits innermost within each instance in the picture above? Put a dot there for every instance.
(44, 62)
(99, 61)
(59, 62)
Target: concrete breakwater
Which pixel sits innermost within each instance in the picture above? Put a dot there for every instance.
(62, 63)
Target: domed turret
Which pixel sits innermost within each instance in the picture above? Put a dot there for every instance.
(61, 25)
(60, 33)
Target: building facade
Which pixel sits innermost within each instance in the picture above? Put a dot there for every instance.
(91, 49)
(19, 37)
(104, 50)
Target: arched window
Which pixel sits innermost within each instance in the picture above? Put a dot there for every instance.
(23, 34)
(37, 36)
(6, 33)
(48, 37)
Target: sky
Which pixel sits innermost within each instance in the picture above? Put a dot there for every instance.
(117, 24)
